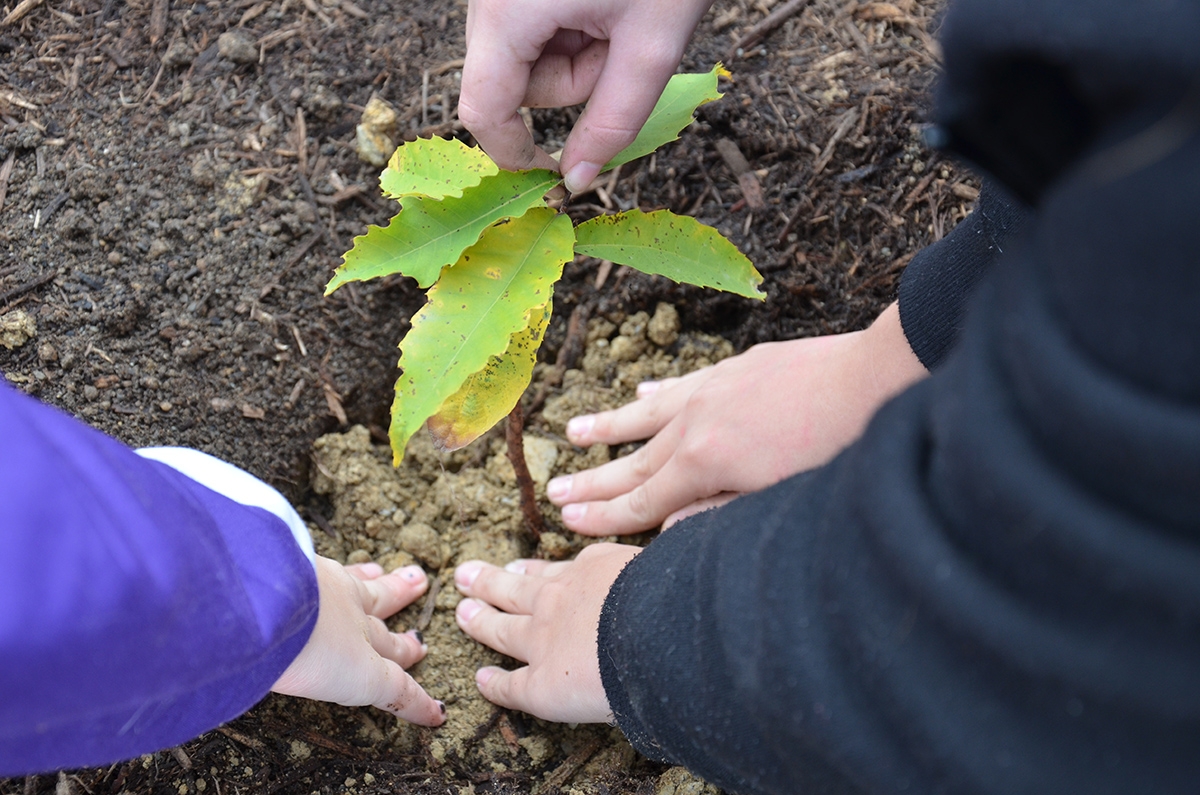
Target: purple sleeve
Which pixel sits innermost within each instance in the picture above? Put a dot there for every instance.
(137, 607)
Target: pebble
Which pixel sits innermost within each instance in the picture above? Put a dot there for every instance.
(238, 46)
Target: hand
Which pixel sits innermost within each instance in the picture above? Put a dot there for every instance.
(351, 658)
(546, 615)
(741, 425)
(549, 53)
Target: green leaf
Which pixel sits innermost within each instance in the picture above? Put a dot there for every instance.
(676, 246)
(673, 112)
(434, 167)
(486, 397)
(474, 310)
(430, 234)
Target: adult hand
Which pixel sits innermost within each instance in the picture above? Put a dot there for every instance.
(547, 616)
(741, 425)
(352, 658)
(616, 54)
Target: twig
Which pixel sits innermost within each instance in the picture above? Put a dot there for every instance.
(435, 586)
(516, 455)
(23, 8)
(21, 289)
(237, 736)
(747, 179)
(848, 120)
(158, 20)
(5, 173)
(760, 31)
(562, 774)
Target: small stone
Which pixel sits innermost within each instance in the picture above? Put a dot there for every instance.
(377, 132)
(679, 781)
(17, 328)
(165, 406)
(540, 457)
(368, 779)
(664, 326)
(47, 352)
(179, 53)
(423, 543)
(90, 392)
(238, 46)
(221, 404)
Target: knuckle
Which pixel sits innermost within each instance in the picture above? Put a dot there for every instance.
(640, 505)
(640, 463)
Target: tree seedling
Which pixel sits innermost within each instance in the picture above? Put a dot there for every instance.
(489, 251)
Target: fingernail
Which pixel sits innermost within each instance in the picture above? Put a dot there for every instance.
(647, 388)
(580, 176)
(416, 633)
(483, 676)
(559, 488)
(467, 609)
(372, 570)
(412, 573)
(580, 427)
(466, 574)
(574, 512)
(515, 566)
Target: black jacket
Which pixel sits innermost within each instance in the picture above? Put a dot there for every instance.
(997, 589)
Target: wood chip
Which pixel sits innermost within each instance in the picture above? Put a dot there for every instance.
(760, 31)
(23, 8)
(747, 179)
(158, 20)
(252, 412)
(5, 173)
(334, 401)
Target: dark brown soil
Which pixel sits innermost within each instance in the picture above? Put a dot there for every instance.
(168, 219)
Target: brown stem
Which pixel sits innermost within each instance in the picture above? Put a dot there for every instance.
(516, 455)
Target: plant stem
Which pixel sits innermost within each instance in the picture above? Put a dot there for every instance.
(515, 437)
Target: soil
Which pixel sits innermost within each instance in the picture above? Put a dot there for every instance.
(173, 201)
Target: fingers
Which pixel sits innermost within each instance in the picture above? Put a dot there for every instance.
(397, 693)
(699, 506)
(507, 634)
(512, 593)
(405, 649)
(385, 595)
(509, 689)
(640, 508)
(565, 78)
(617, 477)
(496, 73)
(640, 419)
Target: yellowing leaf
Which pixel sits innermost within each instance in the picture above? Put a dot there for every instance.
(434, 167)
(474, 310)
(672, 112)
(486, 397)
(430, 234)
(676, 246)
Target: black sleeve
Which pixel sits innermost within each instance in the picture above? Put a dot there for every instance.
(997, 589)
(941, 278)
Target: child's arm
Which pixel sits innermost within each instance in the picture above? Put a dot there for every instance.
(138, 608)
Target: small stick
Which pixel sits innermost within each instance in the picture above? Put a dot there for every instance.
(774, 20)
(21, 289)
(516, 455)
(435, 586)
(5, 173)
(158, 21)
(23, 8)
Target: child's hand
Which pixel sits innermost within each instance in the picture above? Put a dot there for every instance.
(545, 615)
(352, 658)
(738, 426)
(616, 54)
